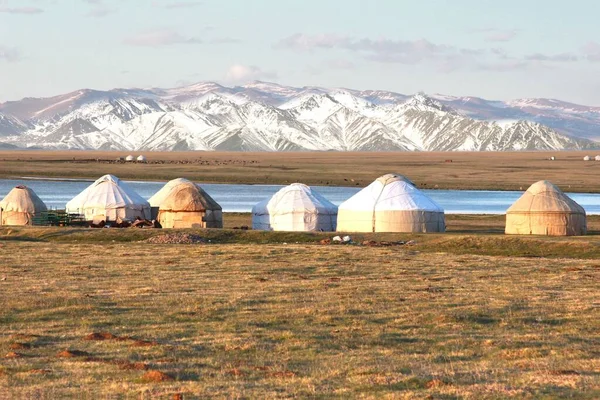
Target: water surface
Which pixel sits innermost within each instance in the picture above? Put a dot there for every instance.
(241, 198)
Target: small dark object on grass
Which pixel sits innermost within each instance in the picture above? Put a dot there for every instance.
(373, 243)
(100, 336)
(142, 223)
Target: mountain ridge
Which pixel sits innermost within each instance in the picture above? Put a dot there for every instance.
(264, 116)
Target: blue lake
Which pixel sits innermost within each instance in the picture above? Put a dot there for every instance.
(241, 198)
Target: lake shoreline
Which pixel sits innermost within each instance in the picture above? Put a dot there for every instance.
(241, 197)
(494, 171)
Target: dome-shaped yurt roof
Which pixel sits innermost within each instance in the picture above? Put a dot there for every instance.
(545, 210)
(111, 198)
(187, 196)
(141, 158)
(597, 158)
(390, 204)
(389, 178)
(183, 204)
(586, 158)
(129, 158)
(160, 196)
(20, 205)
(296, 207)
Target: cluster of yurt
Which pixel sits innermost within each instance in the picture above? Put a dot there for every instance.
(20, 206)
(141, 158)
(390, 204)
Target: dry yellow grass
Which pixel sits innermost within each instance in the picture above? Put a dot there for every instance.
(293, 320)
(505, 171)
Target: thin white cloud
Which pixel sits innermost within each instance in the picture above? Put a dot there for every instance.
(562, 57)
(21, 10)
(159, 38)
(497, 35)
(503, 66)
(444, 58)
(9, 54)
(100, 12)
(380, 50)
(239, 73)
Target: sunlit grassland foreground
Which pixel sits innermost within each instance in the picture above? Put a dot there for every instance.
(264, 315)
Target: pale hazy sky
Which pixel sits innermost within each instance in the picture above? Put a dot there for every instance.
(489, 48)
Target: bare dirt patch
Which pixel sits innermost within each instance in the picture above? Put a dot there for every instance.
(72, 354)
(20, 346)
(156, 376)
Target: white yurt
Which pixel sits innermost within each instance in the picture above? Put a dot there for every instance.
(597, 158)
(141, 158)
(390, 204)
(545, 210)
(587, 158)
(129, 158)
(19, 206)
(295, 208)
(109, 199)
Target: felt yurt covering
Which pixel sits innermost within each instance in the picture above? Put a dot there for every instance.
(160, 196)
(183, 204)
(109, 199)
(295, 208)
(390, 204)
(545, 210)
(20, 205)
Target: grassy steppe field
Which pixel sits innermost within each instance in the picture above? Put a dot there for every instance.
(469, 314)
(467, 170)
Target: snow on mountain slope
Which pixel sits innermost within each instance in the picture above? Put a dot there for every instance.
(269, 117)
(434, 129)
(10, 125)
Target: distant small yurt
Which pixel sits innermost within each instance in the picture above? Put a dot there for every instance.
(141, 158)
(390, 204)
(586, 158)
(545, 210)
(187, 205)
(109, 199)
(597, 158)
(20, 206)
(295, 208)
(129, 158)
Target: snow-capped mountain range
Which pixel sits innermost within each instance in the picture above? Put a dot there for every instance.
(269, 117)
